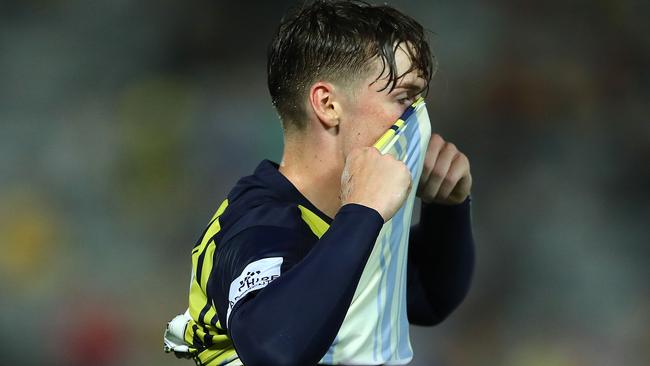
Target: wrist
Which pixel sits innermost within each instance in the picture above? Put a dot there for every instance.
(360, 209)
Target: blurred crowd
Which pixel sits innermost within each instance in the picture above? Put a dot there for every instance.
(124, 123)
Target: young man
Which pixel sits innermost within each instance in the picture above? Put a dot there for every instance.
(308, 261)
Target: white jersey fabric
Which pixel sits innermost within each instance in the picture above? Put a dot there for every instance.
(376, 328)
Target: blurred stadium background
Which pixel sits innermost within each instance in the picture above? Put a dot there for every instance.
(124, 123)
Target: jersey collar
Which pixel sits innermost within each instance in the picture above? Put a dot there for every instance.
(268, 172)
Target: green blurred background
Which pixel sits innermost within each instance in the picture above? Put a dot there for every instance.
(124, 123)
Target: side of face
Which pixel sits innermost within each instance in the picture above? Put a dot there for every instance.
(370, 111)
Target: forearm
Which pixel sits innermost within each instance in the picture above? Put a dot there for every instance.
(296, 317)
(442, 256)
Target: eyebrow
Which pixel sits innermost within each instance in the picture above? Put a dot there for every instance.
(411, 87)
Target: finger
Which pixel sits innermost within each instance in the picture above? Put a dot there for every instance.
(440, 170)
(462, 189)
(459, 168)
(436, 143)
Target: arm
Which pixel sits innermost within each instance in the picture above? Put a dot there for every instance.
(295, 318)
(440, 263)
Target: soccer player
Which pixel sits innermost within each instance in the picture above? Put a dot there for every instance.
(312, 261)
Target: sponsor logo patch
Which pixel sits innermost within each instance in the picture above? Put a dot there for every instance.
(255, 276)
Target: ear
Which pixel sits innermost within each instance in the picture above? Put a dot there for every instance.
(324, 103)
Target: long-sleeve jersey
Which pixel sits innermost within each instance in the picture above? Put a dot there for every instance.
(274, 278)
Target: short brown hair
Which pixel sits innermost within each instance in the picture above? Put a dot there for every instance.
(336, 40)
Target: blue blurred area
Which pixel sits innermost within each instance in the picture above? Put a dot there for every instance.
(124, 123)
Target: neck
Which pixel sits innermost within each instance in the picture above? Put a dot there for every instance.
(314, 167)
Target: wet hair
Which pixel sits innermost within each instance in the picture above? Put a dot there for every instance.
(338, 41)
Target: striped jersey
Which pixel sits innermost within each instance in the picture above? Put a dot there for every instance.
(226, 271)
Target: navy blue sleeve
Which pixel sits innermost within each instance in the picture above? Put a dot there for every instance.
(294, 317)
(440, 263)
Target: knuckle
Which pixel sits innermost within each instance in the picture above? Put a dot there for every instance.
(404, 168)
(399, 166)
(464, 160)
(458, 173)
(389, 157)
(450, 179)
(407, 174)
(438, 173)
(437, 139)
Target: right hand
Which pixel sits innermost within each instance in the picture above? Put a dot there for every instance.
(380, 182)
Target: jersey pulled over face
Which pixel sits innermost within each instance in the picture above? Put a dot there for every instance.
(376, 327)
(378, 102)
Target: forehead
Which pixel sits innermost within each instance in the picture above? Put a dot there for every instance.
(379, 78)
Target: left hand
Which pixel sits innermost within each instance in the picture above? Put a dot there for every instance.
(445, 177)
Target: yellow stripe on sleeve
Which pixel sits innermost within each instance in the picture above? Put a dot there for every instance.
(214, 228)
